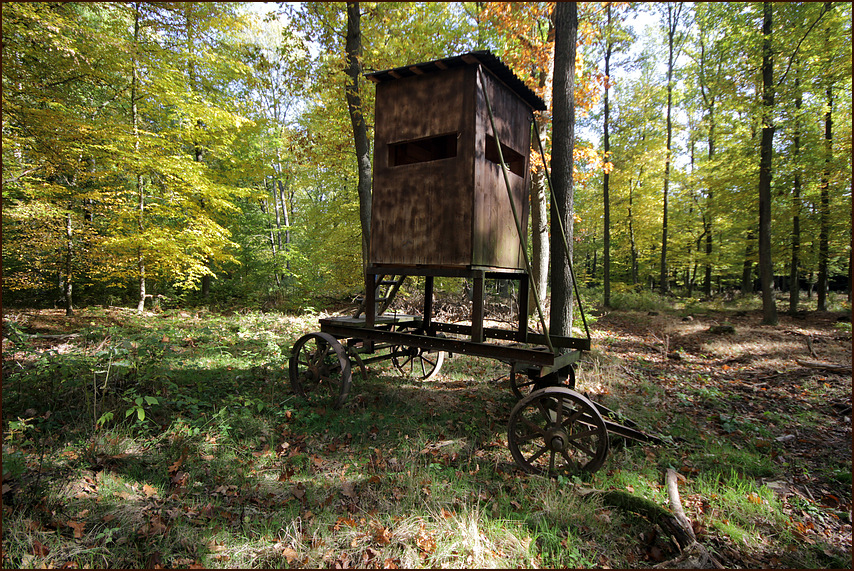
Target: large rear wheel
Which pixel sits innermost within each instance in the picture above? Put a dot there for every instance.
(557, 431)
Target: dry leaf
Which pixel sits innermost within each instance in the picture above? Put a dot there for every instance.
(290, 554)
(299, 491)
(149, 491)
(382, 536)
(173, 467)
(39, 549)
(348, 489)
(216, 547)
(77, 527)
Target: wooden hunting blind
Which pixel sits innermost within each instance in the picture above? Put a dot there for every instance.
(439, 197)
(445, 206)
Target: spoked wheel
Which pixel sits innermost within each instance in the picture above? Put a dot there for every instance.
(416, 363)
(319, 369)
(557, 431)
(522, 385)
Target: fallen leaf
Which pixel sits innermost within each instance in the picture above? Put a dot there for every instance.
(290, 554)
(39, 549)
(77, 527)
(298, 491)
(149, 491)
(382, 535)
(216, 547)
(348, 489)
(174, 466)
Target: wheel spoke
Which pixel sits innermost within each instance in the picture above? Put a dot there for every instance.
(521, 439)
(547, 414)
(572, 464)
(536, 427)
(558, 410)
(539, 453)
(587, 451)
(552, 462)
(587, 433)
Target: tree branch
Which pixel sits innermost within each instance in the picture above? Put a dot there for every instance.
(824, 10)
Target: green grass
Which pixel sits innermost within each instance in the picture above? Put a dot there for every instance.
(227, 469)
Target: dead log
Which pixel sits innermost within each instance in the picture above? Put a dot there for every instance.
(830, 367)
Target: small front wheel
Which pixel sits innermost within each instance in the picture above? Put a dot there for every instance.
(417, 363)
(319, 369)
(557, 431)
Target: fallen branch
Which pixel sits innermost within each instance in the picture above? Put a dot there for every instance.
(832, 367)
(647, 508)
(694, 555)
(676, 504)
(811, 348)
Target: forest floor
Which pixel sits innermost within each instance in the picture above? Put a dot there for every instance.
(170, 440)
(783, 390)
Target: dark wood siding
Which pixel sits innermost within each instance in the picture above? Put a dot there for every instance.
(435, 203)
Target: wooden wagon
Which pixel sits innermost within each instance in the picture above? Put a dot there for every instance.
(450, 199)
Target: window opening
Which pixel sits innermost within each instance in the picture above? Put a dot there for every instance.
(423, 150)
(514, 161)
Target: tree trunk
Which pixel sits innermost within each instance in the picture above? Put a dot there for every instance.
(709, 99)
(539, 209)
(539, 237)
(69, 259)
(824, 205)
(360, 128)
(766, 266)
(606, 199)
(794, 274)
(632, 243)
(710, 210)
(747, 268)
(286, 221)
(563, 135)
(140, 187)
(672, 22)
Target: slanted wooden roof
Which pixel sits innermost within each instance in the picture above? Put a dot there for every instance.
(485, 58)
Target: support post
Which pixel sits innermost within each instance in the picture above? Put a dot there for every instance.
(477, 308)
(370, 299)
(428, 303)
(523, 308)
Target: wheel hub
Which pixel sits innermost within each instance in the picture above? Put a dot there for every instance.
(556, 439)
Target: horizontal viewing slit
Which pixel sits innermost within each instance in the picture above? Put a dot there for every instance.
(423, 150)
(514, 161)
